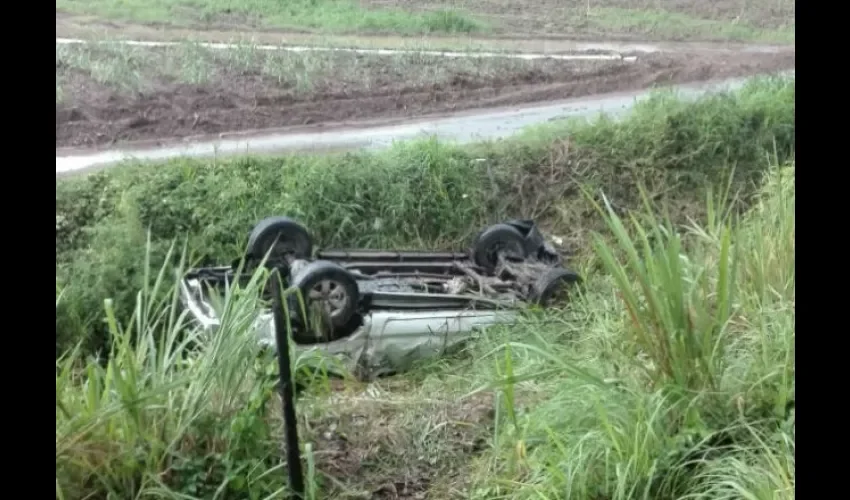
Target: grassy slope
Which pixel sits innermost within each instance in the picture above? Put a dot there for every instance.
(720, 410)
(414, 195)
(692, 400)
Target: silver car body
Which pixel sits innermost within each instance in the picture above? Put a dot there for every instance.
(387, 340)
(387, 308)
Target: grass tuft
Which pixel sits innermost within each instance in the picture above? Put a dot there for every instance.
(678, 314)
(450, 21)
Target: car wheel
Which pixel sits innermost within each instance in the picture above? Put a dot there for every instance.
(279, 237)
(554, 285)
(331, 298)
(498, 239)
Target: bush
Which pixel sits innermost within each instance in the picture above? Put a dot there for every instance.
(420, 194)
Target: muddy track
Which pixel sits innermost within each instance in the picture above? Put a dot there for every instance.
(458, 127)
(97, 116)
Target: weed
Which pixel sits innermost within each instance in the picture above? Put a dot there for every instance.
(677, 26)
(677, 314)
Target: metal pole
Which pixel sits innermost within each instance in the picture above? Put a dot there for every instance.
(290, 423)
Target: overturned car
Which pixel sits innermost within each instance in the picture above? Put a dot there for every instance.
(378, 310)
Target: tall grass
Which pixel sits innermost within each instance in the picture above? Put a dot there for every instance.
(171, 408)
(670, 376)
(678, 311)
(692, 331)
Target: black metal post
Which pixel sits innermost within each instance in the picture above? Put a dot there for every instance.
(287, 391)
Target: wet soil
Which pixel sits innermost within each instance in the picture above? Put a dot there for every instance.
(95, 114)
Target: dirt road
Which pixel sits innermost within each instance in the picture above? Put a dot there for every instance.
(150, 100)
(100, 106)
(464, 127)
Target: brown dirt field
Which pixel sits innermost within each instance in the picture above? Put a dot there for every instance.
(566, 16)
(97, 114)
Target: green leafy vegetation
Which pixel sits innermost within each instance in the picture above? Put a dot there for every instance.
(419, 195)
(670, 376)
(692, 329)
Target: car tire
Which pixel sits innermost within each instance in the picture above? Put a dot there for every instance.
(334, 290)
(283, 236)
(496, 239)
(547, 288)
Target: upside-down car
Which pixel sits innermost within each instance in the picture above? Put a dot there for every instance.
(378, 310)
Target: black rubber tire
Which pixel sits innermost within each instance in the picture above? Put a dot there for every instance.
(313, 275)
(551, 282)
(495, 239)
(287, 237)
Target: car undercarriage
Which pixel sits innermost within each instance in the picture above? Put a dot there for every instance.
(381, 309)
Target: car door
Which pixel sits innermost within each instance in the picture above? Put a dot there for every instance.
(402, 337)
